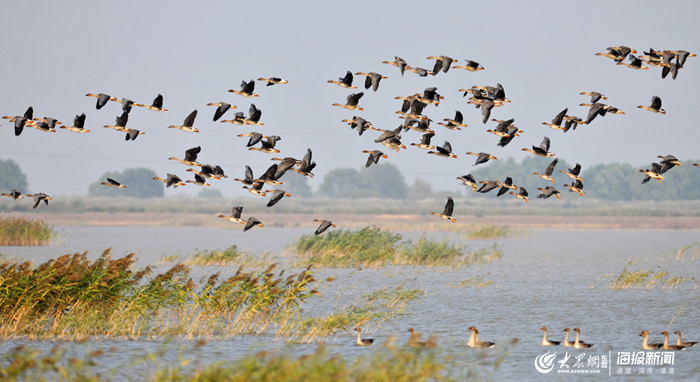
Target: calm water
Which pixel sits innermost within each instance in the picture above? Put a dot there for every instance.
(553, 278)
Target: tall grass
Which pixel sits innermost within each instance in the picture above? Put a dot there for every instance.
(72, 297)
(647, 279)
(21, 231)
(372, 247)
(491, 232)
(229, 256)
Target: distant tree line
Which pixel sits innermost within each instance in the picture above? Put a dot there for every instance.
(12, 177)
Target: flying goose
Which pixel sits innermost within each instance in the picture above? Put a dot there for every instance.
(573, 173)
(468, 181)
(655, 106)
(556, 122)
(14, 194)
(447, 213)
(345, 82)
(542, 150)
(102, 99)
(398, 62)
(654, 173)
(39, 197)
(454, 123)
(445, 151)
(374, 156)
(522, 195)
(576, 186)
(471, 66)
(222, 108)
(372, 79)
(481, 157)
(78, 125)
(273, 81)
(235, 215)
(252, 222)
(113, 183)
(425, 142)
(187, 124)
(548, 171)
(172, 180)
(325, 224)
(277, 196)
(351, 101)
(190, 157)
(246, 89)
(547, 192)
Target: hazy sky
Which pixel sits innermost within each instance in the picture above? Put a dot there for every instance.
(543, 53)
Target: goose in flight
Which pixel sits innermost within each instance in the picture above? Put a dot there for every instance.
(542, 150)
(471, 66)
(443, 63)
(325, 224)
(254, 115)
(172, 180)
(256, 189)
(488, 185)
(445, 151)
(222, 108)
(157, 104)
(505, 186)
(190, 157)
(595, 96)
(254, 138)
(252, 222)
(419, 71)
(345, 82)
(556, 122)
(246, 89)
(595, 110)
(575, 186)
(102, 99)
(306, 165)
(198, 181)
(235, 216)
(113, 183)
(635, 63)
(360, 123)
(120, 124)
(454, 123)
(238, 119)
(207, 171)
(654, 173)
(374, 156)
(468, 181)
(668, 162)
(277, 196)
(78, 125)
(268, 145)
(14, 194)
(351, 101)
(398, 62)
(269, 177)
(248, 179)
(273, 81)
(547, 192)
(548, 171)
(447, 213)
(522, 195)
(187, 124)
(655, 106)
(503, 128)
(425, 142)
(573, 173)
(372, 79)
(482, 157)
(38, 198)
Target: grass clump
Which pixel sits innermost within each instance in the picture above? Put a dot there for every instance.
(647, 279)
(491, 232)
(21, 231)
(72, 297)
(477, 282)
(372, 247)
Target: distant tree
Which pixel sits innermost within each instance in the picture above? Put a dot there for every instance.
(139, 182)
(11, 176)
(420, 189)
(210, 193)
(382, 180)
(297, 185)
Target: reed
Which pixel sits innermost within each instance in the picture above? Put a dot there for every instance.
(492, 232)
(372, 247)
(646, 279)
(477, 282)
(25, 232)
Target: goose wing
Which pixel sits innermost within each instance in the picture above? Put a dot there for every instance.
(545, 144)
(550, 169)
(236, 212)
(158, 102)
(449, 206)
(191, 154)
(189, 121)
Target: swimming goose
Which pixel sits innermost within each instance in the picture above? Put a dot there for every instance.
(172, 180)
(277, 196)
(474, 340)
(425, 142)
(238, 119)
(399, 62)
(488, 185)
(542, 150)
(306, 165)
(252, 222)
(419, 71)
(113, 183)
(503, 128)
(208, 171)
(645, 343)
(363, 342)
(447, 213)
(522, 195)
(269, 176)
(187, 124)
(576, 186)
(268, 145)
(120, 124)
(547, 192)
(273, 81)
(256, 189)
(351, 101)
(566, 338)
(545, 341)
(374, 156)
(345, 82)
(325, 224)
(548, 171)
(635, 63)
(556, 122)
(235, 215)
(595, 96)
(668, 162)
(157, 104)
(222, 108)
(255, 137)
(443, 63)
(680, 343)
(445, 151)
(102, 99)
(198, 181)
(578, 344)
(78, 125)
(246, 89)
(415, 339)
(190, 157)
(655, 106)
(39, 197)
(654, 173)
(670, 347)
(372, 79)
(471, 66)
(454, 123)
(573, 173)
(248, 179)
(468, 181)
(505, 186)
(14, 194)
(481, 157)
(254, 115)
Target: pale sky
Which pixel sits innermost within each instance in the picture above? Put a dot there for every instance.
(543, 53)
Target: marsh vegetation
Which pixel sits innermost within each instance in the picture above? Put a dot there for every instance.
(21, 231)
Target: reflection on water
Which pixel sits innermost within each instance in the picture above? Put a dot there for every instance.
(551, 278)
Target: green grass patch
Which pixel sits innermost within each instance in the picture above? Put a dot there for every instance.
(21, 231)
(492, 232)
(372, 247)
(646, 279)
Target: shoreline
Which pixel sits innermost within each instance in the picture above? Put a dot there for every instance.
(385, 221)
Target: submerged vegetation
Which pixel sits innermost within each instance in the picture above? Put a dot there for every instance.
(477, 282)
(647, 279)
(372, 247)
(21, 231)
(491, 232)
